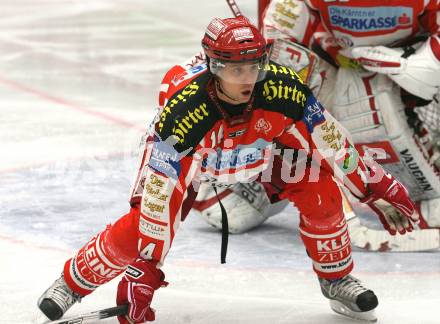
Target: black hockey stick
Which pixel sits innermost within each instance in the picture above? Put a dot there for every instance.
(235, 10)
(92, 316)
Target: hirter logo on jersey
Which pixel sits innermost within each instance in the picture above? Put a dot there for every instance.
(367, 19)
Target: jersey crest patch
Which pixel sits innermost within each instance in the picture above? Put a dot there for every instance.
(313, 114)
(165, 159)
(263, 125)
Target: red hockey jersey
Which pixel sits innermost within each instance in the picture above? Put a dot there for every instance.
(341, 24)
(194, 139)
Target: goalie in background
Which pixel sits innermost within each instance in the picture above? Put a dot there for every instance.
(379, 66)
(385, 95)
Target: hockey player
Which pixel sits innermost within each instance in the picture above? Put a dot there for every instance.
(248, 204)
(220, 125)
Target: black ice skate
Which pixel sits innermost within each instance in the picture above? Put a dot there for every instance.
(57, 299)
(349, 298)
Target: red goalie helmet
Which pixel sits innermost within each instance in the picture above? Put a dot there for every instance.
(234, 40)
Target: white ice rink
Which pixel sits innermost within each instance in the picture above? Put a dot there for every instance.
(78, 84)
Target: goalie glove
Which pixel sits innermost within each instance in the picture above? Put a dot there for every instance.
(136, 289)
(391, 201)
(416, 73)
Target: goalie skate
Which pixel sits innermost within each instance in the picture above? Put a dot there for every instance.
(348, 297)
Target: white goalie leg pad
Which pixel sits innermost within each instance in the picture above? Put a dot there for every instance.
(354, 105)
(246, 204)
(369, 106)
(430, 210)
(380, 240)
(327, 90)
(430, 115)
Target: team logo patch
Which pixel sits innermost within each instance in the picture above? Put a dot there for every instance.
(242, 33)
(347, 159)
(263, 125)
(313, 114)
(215, 28)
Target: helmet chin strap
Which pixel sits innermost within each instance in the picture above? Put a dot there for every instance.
(219, 88)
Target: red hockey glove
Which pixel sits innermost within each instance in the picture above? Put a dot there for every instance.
(390, 200)
(136, 289)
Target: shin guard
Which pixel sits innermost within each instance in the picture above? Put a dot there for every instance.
(93, 265)
(329, 250)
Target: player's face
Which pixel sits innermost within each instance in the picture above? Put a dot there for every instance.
(238, 80)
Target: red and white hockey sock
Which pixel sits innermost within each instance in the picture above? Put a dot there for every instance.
(93, 265)
(329, 250)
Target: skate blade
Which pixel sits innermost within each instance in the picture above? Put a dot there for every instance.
(341, 309)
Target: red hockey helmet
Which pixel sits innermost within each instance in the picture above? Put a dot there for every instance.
(234, 40)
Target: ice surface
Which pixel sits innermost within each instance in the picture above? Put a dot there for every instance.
(78, 85)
